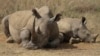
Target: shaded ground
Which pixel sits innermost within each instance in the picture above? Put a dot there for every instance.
(81, 49)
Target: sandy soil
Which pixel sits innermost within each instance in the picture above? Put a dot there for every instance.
(81, 49)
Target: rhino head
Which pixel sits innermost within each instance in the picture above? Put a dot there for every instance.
(42, 23)
(81, 31)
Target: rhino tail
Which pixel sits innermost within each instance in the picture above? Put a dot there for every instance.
(5, 26)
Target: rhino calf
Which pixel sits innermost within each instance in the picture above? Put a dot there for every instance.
(32, 29)
(75, 28)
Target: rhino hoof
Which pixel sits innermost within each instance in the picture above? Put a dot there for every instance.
(31, 45)
(10, 40)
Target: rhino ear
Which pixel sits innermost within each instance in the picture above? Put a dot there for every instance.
(35, 12)
(84, 20)
(57, 17)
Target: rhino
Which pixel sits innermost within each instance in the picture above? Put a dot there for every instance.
(32, 29)
(74, 29)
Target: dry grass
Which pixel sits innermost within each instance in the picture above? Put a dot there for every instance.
(67, 7)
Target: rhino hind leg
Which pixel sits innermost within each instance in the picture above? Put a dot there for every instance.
(5, 25)
(74, 40)
(26, 40)
(10, 40)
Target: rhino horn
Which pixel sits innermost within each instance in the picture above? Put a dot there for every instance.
(95, 37)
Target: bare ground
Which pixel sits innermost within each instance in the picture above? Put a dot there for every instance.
(81, 49)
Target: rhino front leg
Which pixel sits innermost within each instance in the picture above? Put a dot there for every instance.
(71, 40)
(26, 39)
(74, 40)
(5, 28)
(31, 45)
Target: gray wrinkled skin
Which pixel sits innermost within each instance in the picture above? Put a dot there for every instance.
(32, 29)
(75, 29)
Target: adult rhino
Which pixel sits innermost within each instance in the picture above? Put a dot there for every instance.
(32, 29)
(75, 28)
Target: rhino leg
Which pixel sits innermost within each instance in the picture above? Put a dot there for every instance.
(10, 40)
(24, 35)
(74, 40)
(71, 40)
(31, 45)
(5, 25)
(26, 40)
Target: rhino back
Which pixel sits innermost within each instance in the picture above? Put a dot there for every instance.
(67, 24)
(19, 19)
(64, 25)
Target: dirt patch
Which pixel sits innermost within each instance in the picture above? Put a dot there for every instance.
(81, 49)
